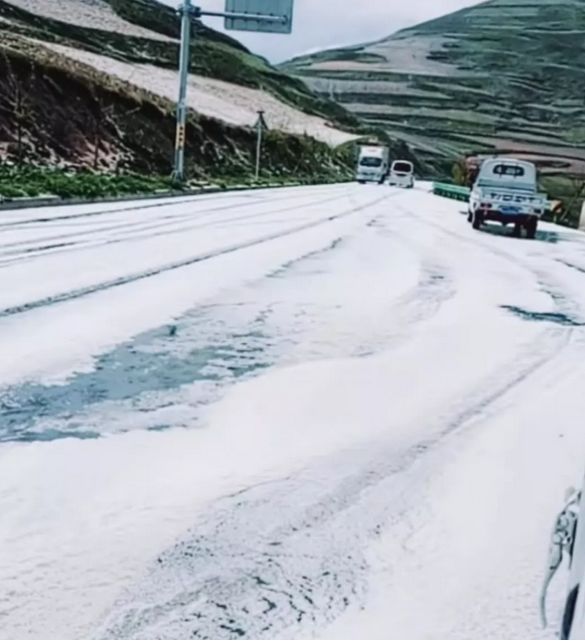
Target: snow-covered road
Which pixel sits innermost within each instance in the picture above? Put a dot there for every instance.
(333, 411)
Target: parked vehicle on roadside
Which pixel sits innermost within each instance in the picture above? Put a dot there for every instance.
(568, 542)
(506, 192)
(401, 174)
(373, 164)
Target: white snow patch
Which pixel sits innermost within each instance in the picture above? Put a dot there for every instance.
(463, 550)
(466, 559)
(231, 103)
(52, 342)
(90, 14)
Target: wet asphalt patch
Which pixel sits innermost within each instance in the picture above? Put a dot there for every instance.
(149, 364)
(557, 318)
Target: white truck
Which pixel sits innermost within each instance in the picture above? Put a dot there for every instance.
(373, 164)
(506, 191)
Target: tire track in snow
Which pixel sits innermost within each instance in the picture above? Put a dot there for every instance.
(16, 224)
(167, 230)
(19, 223)
(173, 216)
(300, 575)
(205, 347)
(434, 288)
(287, 557)
(99, 287)
(419, 305)
(25, 250)
(572, 266)
(547, 283)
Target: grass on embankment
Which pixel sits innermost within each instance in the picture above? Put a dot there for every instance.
(31, 182)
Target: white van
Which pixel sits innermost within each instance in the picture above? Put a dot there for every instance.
(401, 174)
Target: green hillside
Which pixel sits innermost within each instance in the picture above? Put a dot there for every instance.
(506, 75)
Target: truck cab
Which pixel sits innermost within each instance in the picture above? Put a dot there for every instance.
(506, 192)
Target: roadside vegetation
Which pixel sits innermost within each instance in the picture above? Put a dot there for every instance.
(37, 182)
(23, 182)
(569, 191)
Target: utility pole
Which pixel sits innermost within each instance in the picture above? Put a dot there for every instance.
(240, 15)
(186, 11)
(260, 126)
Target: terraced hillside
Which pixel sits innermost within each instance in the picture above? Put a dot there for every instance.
(93, 82)
(507, 75)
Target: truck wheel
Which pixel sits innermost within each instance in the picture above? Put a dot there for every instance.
(531, 228)
(469, 216)
(476, 220)
(518, 230)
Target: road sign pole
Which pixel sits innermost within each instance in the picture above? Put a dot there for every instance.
(186, 11)
(260, 131)
(238, 14)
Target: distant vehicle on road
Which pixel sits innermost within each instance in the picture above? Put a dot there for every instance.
(373, 164)
(506, 191)
(402, 174)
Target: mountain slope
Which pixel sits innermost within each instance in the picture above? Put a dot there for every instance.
(145, 32)
(505, 74)
(76, 75)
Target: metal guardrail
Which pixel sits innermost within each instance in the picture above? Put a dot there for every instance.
(455, 192)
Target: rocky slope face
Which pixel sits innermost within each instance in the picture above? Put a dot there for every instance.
(505, 75)
(92, 83)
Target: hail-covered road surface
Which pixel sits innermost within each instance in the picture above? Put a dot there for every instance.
(330, 411)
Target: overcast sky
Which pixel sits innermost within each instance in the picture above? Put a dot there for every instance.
(321, 24)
